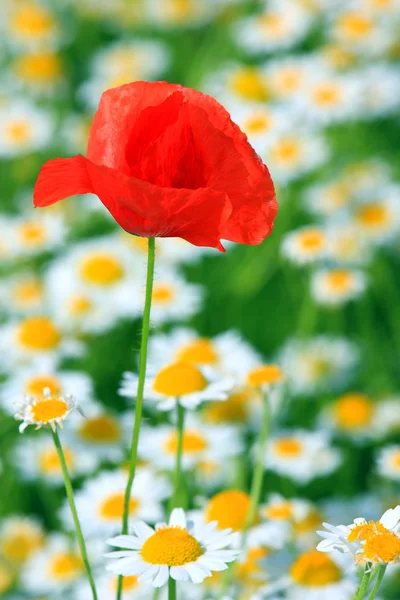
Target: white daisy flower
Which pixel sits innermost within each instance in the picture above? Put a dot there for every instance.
(260, 123)
(35, 338)
(292, 154)
(22, 294)
(53, 568)
(175, 14)
(100, 502)
(40, 73)
(101, 433)
(327, 199)
(380, 90)
(227, 354)
(345, 246)
(47, 410)
(351, 414)
(20, 538)
(123, 62)
(173, 298)
(34, 379)
(36, 233)
(203, 445)
(282, 24)
(387, 416)
(106, 587)
(301, 455)
(178, 550)
(361, 31)
(305, 245)
(178, 380)
(237, 83)
(378, 217)
(376, 542)
(36, 458)
(329, 98)
(30, 25)
(388, 462)
(316, 576)
(286, 77)
(318, 363)
(95, 283)
(24, 128)
(334, 287)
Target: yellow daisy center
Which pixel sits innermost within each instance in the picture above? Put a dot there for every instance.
(264, 375)
(279, 512)
(315, 569)
(287, 151)
(339, 280)
(229, 508)
(372, 215)
(179, 379)
(395, 459)
(312, 240)
(38, 334)
(288, 80)
(18, 132)
(198, 352)
(273, 24)
(288, 447)
(210, 468)
(5, 578)
(49, 463)
(38, 68)
(193, 442)
(354, 411)
(355, 25)
(18, 546)
(249, 84)
(31, 233)
(101, 270)
(65, 566)
(28, 292)
(309, 524)
(327, 94)
(103, 429)
(171, 546)
(383, 547)
(257, 124)
(235, 409)
(79, 305)
(36, 385)
(129, 583)
(48, 409)
(163, 293)
(249, 571)
(31, 20)
(113, 507)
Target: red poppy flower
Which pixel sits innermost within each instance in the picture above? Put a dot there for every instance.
(167, 161)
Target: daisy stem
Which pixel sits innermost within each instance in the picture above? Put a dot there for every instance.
(377, 584)
(178, 464)
(171, 589)
(151, 254)
(363, 587)
(256, 486)
(70, 496)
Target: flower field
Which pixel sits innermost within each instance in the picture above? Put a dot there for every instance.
(200, 388)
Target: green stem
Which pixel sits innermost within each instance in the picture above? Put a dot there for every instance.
(256, 485)
(379, 579)
(363, 587)
(139, 396)
(171, 589)
(70, 496)
(178, 464)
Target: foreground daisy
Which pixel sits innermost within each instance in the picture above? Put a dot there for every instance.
(178, 550)
(376, 542)
(178, 380)
(47, 410)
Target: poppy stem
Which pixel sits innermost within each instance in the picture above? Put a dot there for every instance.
(171, 589)
(151, 254)
(70, 496)
(178, 463)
